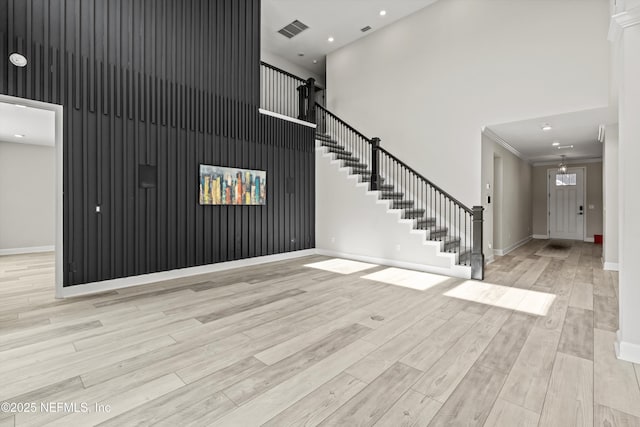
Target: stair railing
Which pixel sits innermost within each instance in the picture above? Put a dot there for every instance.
(287, 94)
(435, 210)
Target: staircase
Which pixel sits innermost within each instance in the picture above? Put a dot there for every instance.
(407, 205)
(433, 227)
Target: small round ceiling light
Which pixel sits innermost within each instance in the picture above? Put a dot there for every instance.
(383, 12)
(315, 61)
(18, 135)
(330, 39)
(546, 127)
(18, 60)
(555, 143)
(300, 53)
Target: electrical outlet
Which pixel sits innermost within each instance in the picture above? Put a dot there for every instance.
(490, 245)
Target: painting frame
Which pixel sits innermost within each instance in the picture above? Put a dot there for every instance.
(231, 186)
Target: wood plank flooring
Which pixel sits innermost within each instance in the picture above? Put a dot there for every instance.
(284, 344)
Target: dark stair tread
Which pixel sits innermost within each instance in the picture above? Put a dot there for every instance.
(426, 223)
(349, 157)
(390, 195)
(355, 164)
(386, 187)
(331, 144)
(367, 177)
(412, 213)
(339, 150)
(402, 204)
(433, 231)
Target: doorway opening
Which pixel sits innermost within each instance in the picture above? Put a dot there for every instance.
(31, 189)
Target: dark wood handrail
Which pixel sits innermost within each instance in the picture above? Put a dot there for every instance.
(419, 175)
(435, 187)
(342, 122)
(286, 73)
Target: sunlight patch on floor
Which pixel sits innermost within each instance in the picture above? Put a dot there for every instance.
(407, 278)
(504, 296)
(341, 266)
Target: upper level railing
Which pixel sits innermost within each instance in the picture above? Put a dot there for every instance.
(287, 94)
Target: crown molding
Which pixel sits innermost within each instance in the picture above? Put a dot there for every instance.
(498, 140)
(621, 21)
(569, 162)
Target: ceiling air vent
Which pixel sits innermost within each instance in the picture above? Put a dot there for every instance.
(365, 29)
(293, 29)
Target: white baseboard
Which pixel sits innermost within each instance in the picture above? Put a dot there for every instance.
(126, 282)
(627, 351)
(30, 250)
(612, 266)
(541, 236)
(457, 271)
(589, 239)
(502, 252)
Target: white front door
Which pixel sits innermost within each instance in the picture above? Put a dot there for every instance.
(566, 204)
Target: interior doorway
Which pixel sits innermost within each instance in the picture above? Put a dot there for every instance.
(566, 194)
(31, 187)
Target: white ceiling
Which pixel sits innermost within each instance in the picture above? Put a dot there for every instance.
(340, 19)
(37, 125)
(579, 129)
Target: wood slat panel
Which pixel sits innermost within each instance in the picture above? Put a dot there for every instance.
(171, 84)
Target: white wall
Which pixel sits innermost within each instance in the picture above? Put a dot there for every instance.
(511, 198)
(427, 84)
(346, 214)
(284, 64)
(27, 196)
(610, 198)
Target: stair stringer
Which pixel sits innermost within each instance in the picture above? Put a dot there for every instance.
(351, 221)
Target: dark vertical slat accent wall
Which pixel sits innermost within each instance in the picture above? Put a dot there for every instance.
(167, 83)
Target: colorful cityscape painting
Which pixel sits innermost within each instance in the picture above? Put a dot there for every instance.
(231, 186)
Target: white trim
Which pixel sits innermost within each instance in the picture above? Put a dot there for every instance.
(29, 250)
(540, 236)
(611, 266)
(627, 351)
(143, 279)
(589, 239)
(498, 140)
(621, 21)
(570, 162)
(287, 118)
(503, 252)
(58, 110)
(457, 270)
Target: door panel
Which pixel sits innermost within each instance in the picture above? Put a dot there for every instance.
(566, 204)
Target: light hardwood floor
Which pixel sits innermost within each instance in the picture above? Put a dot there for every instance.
(285, 344)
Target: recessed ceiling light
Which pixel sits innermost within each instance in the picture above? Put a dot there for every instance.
(383, 12)
(18, 60)
(564, 147)
(17, 135)
(300, 53)
(555, 143)
(315, 61)
(546, 127)
(330, 39)
(20, 106)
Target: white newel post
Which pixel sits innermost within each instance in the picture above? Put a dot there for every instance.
(625, 34)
